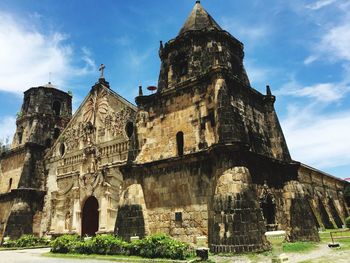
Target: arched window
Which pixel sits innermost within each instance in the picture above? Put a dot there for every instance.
(129, 128)
(62, 149)
(180, 143)
(56, 106)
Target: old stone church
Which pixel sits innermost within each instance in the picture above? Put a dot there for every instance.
(204, 156)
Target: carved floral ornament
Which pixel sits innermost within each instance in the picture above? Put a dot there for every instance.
(96, 106)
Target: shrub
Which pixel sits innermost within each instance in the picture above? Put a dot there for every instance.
(155, 246)
(65, 244)
(27, 241)
(347, 222)
(82, 247)
(160, 246)
(109, 245)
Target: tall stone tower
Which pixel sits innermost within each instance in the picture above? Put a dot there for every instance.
(204, 64)
(44, 113)
(211, 149)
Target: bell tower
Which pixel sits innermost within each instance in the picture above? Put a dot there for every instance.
(45, 112)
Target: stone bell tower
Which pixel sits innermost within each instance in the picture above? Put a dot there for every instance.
(45, 112)
(210, 141)
(204, 84)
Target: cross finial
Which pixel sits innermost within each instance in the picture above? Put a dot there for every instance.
(102, 67)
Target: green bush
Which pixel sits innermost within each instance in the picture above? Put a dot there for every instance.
(82, 247)
(65, 244)
(160, 246)
(347, 222)
(109, 245)
(155, 246)
(26, 241)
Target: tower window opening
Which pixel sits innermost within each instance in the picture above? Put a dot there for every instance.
(56, 133)
(56, 106)
(48, 143)
(178, 216)
(10, 184)
(180, 143)
(20, 135)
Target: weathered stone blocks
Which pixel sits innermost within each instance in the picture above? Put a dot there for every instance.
(237, 224)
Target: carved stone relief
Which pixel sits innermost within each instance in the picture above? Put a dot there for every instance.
(96, 107)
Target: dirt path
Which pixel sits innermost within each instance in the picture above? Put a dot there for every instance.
(322, 254)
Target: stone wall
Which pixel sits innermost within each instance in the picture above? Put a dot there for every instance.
(160, 119)
(6, 202)
(176, 195)
(11, 165)
(326, 197)
(19, 208)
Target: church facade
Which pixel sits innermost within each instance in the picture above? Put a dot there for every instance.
(202, 158)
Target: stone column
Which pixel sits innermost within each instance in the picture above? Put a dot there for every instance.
(103, 216)
(76, 220)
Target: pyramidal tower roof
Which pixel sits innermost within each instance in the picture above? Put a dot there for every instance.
(198, 20)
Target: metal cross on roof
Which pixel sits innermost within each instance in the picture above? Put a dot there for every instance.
(102, 67)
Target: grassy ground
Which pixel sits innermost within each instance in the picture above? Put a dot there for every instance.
(296, 251)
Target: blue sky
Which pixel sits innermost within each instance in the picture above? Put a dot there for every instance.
(300, 48)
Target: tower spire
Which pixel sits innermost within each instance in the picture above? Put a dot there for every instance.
(199, 19)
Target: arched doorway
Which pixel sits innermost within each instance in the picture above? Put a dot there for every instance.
(269, 209)
(90, 217)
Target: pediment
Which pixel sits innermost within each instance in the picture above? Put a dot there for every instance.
(101, 118)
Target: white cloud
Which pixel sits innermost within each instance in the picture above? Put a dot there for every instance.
(320, 4)
(318, 139)
(321, 92)
(27, 56)
(310, 59)
(334, 41)
(8, 127)
(246, 33)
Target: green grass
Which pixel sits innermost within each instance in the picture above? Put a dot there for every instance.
(298, 247)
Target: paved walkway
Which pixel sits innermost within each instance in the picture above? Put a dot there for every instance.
(34, 256)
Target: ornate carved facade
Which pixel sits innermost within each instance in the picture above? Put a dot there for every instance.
(203, 156)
